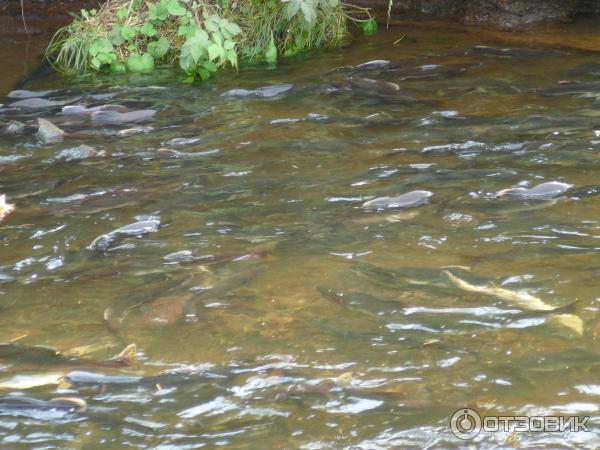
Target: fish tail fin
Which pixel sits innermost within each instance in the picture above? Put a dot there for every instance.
(127, 356)
(570, 321)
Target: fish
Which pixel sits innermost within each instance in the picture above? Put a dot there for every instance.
(5, 208)
(38, 103)
(521, 299)
(369, 84)
(140, 228)
(15, 352)
(573, 87)
(389, 218)
(483, 50)
(543, 191)
(107, 117)
(360, 302)
(62, 404)
(29, 381)
(408, 200)
(84, 110)
(382, 89)
(376, 64)
(22, 94)
(570, 321)
(264, 92)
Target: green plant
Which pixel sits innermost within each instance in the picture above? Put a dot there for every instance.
(201, 36)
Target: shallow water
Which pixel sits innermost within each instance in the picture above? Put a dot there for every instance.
(239, 348)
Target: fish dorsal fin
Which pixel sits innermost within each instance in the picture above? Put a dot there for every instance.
(127, 356)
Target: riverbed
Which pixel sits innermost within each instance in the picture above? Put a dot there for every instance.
(270, 309)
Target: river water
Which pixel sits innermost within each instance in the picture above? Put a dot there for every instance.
(269, 309)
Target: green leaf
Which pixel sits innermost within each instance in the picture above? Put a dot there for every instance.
(233, 28)
(291, 8)
(115, 35)
(309, 11)
(157, 12)
(117, 67)
(159, 48)
(127, 32)
(228, 45)
(183, 30)
(214, 51)
(211, 26)
(148, 29)
(232, 58)
(101, 45)
(204, 73)
(135, 4)
(271, 54)
(122, 14)
(140, 63)
(369, 27)
(217, 37)
(175, 8)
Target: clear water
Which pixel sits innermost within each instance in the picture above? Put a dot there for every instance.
(268, 198)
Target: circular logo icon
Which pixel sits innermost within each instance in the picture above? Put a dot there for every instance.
(465, 423)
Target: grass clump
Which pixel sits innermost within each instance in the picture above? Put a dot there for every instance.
(201, 36)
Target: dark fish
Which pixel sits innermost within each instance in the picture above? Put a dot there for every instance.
(360, 302)
(402, 278)
(586, 191)
(482, 50)
(573, 87)
(223, 287)
(408, 200)
(16, 353)
(366, 66)
(543, 191)
(382, 89)
(61, 404)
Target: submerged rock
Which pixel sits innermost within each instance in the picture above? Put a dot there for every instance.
(544, 191)
(408, 200)
(117, 118)
(48, 133)
(266, 91)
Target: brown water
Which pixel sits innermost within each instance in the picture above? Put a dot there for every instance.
(239, 348)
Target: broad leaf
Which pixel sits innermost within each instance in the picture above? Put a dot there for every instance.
(159, 48)
(140, 63)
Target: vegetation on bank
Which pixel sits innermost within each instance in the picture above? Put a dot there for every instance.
(200, 36)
